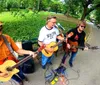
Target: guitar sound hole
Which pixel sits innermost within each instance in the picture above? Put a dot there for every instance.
(9, 69)
(52, 47)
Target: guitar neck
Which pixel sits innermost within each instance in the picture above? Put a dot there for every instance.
(80, 47)
(24, 60)
(58, 43)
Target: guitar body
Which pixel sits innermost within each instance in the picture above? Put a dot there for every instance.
(73, 45)
(49, 54)
(3, 67)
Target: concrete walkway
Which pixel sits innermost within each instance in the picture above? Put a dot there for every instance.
(86, 70)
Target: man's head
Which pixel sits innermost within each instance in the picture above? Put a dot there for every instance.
(51, 21)
(1, 27)
(81, 25)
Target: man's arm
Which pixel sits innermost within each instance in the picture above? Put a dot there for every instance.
(40, 43)
(22, 51)
(46, 48)
(60, 37)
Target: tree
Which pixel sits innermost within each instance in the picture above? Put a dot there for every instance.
(1, 5)
(81, 7)
(73, 8)
(89, 6)
(56, 6)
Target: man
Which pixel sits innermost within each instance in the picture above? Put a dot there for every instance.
(49, 33)
(76, 38)
(5, 54)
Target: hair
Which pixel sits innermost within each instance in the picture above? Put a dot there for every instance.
(1, 23)
(82, 22)
(50, 17)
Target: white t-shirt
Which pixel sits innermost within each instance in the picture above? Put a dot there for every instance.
(47, 36)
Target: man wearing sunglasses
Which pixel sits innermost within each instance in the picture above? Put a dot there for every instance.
(76, 39)
(5, 54)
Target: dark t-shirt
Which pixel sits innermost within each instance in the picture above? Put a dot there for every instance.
(77, 37)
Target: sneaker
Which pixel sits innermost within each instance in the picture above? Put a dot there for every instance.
(26, 79)
(50, 63)
(71, 64)
(21, 83)
(44, 67)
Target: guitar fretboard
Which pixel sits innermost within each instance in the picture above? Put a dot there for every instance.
(58, 43)
(22, 61)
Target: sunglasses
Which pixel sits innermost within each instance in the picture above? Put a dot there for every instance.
(83, 26)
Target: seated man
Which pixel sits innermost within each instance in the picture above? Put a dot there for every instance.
(5, 54)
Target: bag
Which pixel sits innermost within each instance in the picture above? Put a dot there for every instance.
(28, 66)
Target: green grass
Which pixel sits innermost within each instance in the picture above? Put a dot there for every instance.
(25, 25)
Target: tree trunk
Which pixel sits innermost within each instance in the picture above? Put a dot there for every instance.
(39, 5)
(84, 13)
(67, 12)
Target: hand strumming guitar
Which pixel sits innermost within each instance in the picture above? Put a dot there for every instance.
(68, 46)
(4, 74)
(49, 49)
(86, 48)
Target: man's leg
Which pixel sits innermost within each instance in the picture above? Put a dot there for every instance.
(44, 61)
(73, 55)
(50, 59)
(21, 75)
(16, 78)
(64, 58)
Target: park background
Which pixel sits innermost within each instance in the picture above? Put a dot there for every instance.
(23, 19)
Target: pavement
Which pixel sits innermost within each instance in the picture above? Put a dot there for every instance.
(86, 70)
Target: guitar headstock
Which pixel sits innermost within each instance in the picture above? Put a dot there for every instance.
(94, 47)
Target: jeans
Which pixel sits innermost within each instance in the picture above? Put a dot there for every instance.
(19, 76)
(73, 55)
(46, 60)
(64, 58)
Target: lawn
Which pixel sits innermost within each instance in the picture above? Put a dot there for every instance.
(24, 25)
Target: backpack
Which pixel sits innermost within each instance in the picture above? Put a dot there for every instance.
(28, 67)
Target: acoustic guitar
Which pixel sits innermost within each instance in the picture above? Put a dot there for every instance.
(53, 45)
(11, 67)
(74, 46)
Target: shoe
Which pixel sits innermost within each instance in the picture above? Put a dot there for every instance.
(44, 67)
(26, 79)
(21, 83)
(71, 64)
(50, 63)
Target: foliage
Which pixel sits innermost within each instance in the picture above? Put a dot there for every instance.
(56, 7)
(81, 8)
(98, 16)
(28, 27)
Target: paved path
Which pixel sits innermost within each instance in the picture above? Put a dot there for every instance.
(86, 65)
